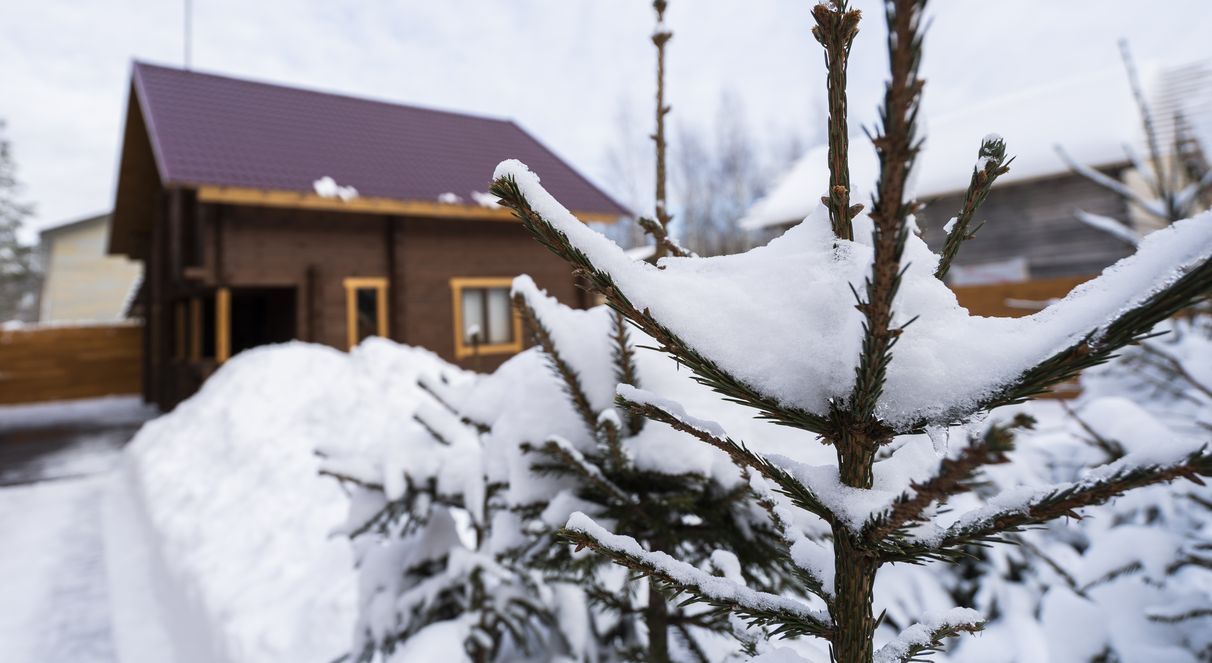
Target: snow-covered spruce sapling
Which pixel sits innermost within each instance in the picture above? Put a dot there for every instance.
(776, 329)
(688, 514)
(1177, 183)
(432, 541)
(1129, 582)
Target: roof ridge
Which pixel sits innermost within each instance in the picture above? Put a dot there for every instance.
(143, 64)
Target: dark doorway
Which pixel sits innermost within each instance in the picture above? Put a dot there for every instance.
(260, 316)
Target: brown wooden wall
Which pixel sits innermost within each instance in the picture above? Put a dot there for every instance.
(1035, 219)
(434, 251)
(314, 251)
(1013, 300)
(60, 363)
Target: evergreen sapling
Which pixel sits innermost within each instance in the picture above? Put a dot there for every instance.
(772, 330)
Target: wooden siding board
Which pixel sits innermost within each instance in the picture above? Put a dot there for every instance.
(1035, 220)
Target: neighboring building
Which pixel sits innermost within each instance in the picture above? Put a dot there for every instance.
(1031, 230)
(240, 198)
(81, 283)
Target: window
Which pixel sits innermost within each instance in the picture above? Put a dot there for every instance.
(365, 308)
(484, 320)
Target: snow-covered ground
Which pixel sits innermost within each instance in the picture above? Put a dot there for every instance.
(54, 463)
(53, 593)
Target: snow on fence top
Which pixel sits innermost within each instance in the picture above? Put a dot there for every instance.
(780, 318)
(1093, 117)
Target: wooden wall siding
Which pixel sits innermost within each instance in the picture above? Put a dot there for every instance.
(271, 247)
(431, 252)
(1013, 300)
(1035, 219)
(280, 247)
(60, 363)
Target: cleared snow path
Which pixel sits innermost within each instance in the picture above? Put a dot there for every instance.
(54, 603)
(55, 459)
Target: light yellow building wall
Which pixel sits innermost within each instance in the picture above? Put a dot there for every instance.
(82, 283)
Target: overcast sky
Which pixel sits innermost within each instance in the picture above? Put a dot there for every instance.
(561, 68)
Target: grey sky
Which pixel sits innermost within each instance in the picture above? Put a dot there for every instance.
(560, 67)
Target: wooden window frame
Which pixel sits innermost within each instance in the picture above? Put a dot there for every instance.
(352, 285)
(464, 350)
(222, 325)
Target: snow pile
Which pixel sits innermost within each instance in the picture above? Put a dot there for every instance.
(799, 342)
(237, 513)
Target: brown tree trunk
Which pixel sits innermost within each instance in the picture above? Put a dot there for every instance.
(853, 586)
(854, 578)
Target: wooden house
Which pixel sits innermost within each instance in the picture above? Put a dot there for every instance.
(265, 213)
(1031, 231)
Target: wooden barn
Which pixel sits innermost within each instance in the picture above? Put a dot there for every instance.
(265, 213)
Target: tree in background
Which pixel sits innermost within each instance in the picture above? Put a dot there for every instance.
(880, 383)
(18, 267)
(711, 175)
(1178, 182)
(716, 171)
(719, 173)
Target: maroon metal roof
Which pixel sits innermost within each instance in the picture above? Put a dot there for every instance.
(208, 129)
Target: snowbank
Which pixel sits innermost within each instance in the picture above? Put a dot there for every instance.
(236, 514)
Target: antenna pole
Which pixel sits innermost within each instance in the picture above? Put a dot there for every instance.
(188, 12)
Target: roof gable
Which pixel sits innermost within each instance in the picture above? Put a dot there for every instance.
(219, 131)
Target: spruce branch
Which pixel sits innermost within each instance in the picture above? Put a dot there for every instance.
(1162, 189)
(1113, 185)
(568, 457)
(663, 240)
(788, 616)
(660, 230)
(801, 495)
(1096, 347)
(570, 379)
(923, 639)
(435, 393)
(835, 29)
(897, 146)
(705, 371)
(431, 429)
(948, 480)
(625, 372)
(991, 163)
(1066, 500)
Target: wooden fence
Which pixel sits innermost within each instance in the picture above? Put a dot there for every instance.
(59, 363)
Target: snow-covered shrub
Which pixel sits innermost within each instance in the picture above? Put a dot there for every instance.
(638, 478)
(433, 540)
(777, 330)
(534, 442)
(1133, 577)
